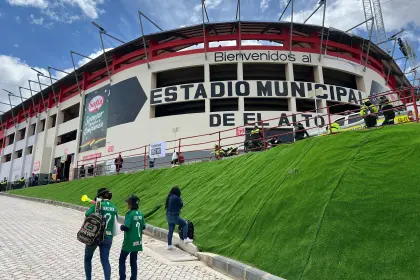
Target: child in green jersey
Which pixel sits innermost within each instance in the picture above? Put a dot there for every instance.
(109, 211)
(133, 230)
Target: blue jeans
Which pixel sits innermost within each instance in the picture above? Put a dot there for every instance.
(104, 249)
(176, 220)
(133, 264)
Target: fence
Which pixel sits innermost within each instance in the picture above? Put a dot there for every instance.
(213, 146)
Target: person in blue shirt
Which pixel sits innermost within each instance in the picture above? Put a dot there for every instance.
(173, 207)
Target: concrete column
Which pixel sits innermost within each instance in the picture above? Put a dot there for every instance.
(28, 126)
(47, 124)
(35, 141)
(318, 74)
(361, 85)
(241, 100)
(206, 73)
(292, 104)
(2, 152)
(11, 158)
(58, 121)
(79, 134)
(240, 71)
(289, 72)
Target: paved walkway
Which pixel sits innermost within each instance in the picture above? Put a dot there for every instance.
(38, 241)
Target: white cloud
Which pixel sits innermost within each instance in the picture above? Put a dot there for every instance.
(264, 5)
(16, 46)
(61, 10)
(213, 4)
(15, 72)
(37, 21)
(88, 7)
(29, 3)
(17, 18)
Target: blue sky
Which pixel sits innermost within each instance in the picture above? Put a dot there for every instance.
(40, 33)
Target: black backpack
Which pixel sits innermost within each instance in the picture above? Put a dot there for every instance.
(190, 234)
(93, 228)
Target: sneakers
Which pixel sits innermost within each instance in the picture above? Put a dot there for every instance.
(187, 240)
(170, 247)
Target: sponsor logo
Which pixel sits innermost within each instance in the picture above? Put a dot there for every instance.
(95, 104)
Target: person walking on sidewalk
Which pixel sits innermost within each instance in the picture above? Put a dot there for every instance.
(109, 211)
(173, 207)
(133, 227)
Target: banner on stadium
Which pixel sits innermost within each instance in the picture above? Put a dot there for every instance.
(110, 167)
(157, 150)
(95, 119)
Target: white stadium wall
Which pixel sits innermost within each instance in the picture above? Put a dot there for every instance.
(145, 128)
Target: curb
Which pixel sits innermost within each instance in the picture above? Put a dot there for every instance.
(229, 267)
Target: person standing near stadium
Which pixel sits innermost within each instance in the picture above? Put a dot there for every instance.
(109, 211)
(173, 207)
(133, 227)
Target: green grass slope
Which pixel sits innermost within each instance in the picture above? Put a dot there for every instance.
(340, 207)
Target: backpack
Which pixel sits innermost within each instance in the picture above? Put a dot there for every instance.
(93, 228)
(190, 233)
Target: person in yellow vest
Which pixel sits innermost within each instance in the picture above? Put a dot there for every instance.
(387, 109)
(369, 112)
(218, 153)
(22, 182)
(335, 128)
(256, 131)
(3, 185)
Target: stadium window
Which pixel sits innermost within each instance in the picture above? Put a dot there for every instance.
(224, 104)
(180, 108)
(71, 113)
(303, 73)
(7, 158)
(67, 137)
(10, 139)
(338, 108)
(339, 78)
(53, 120)
(32, 129)
(305, 105)
(354, 118)
(264, 71)
(341, 121)
(223, 72)
(41, 126)
(29, 150)
(21, 134)
(266, 104)
(17, 154)
(180, 76)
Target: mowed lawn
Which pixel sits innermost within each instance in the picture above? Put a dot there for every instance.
(345, 206)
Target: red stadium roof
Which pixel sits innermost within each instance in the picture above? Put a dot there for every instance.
(161, 45)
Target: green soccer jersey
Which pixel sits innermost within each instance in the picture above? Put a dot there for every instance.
(134, 221)
(110, 213)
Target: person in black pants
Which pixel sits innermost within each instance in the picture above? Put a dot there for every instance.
(300, 132)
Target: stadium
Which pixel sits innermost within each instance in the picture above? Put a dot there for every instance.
(190, 88)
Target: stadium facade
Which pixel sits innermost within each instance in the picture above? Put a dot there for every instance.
(189, 81)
